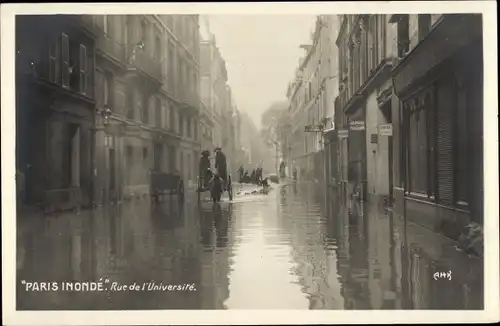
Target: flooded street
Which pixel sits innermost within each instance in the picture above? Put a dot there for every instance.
(284, 250)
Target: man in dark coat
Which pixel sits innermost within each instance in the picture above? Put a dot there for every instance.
(221, 165)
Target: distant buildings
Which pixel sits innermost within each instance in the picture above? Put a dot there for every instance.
(311, 95)
(220, 111)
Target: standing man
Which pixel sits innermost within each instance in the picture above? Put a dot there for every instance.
(221, 165)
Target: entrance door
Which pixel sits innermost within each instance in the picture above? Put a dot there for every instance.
(387, 113)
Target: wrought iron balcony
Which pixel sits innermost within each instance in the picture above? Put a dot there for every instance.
(142, 61)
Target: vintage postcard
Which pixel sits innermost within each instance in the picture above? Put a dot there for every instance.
(246, 163)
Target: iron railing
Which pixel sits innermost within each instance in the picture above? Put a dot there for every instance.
(141, 60)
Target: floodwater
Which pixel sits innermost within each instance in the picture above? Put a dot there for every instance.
(297, 247)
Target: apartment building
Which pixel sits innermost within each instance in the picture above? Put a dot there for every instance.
(311, 96)
(147, 77)
(55, 106)
(365, 61)
(438, 129)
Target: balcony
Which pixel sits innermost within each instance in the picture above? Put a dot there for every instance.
(147, 67)
(111, 50)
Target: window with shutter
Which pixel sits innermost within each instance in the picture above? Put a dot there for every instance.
(145, 109)
(83, 69)
(444, 119)
(172, 119)
(158, 113)
(130, 103)
(53, 62)
(65, 73)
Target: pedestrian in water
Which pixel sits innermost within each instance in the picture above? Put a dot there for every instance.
(240, 173)
(217, 188)
(221, 165)
(253, 176)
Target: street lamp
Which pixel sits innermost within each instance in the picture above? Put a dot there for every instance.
(105, 112)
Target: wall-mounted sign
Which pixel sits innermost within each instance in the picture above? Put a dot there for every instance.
(343, 134)
(357, 125)
(374, 138)
(313, 129)
(385, 130)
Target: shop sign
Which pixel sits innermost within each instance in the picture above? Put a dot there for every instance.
(357, 125)
(385, 130)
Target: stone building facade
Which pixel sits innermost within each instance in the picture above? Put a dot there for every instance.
(438, 120)
(147, 73)
(55, 105)
(365, 62)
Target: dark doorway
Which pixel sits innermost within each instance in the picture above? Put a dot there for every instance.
(387, 112)
(112, 174)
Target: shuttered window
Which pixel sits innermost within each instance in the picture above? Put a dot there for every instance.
(53, 62)
(83, 69)
(145, 109)
(419, 140)
(158, 121)
(130, 102)
(462, 140)
(65, 73)
(444, 128)
(172, 119)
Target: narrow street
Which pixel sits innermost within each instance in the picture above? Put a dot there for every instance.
(284, 250)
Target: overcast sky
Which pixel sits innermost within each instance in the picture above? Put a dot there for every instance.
(261, 53)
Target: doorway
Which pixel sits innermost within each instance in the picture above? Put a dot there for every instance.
(112, 174)
(387, 113)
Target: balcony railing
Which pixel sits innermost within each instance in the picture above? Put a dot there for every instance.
(144, 62)
(109, 46)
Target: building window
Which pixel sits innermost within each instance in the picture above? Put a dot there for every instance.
(144, 153)
(171, 71)
(158, 49)
(158, 113)
(424, 26)
(419, 140)
(107, 25)
(130, 102)
(53, 68)
(188, 127)
(144, 31)
(83, 69)
(130, 155)
(462, 141)
(172, 118)
(65, 71)
(403, 35)
(145, 109)
(181, 125)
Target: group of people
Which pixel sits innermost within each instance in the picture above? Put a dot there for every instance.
(218, 178)
(255, 177)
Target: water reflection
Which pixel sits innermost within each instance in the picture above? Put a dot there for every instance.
(288, 249)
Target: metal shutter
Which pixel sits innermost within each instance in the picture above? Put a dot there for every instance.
(444, 132)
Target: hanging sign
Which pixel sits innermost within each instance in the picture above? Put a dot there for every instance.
(385, 130)
(357, 125)
(343, 134)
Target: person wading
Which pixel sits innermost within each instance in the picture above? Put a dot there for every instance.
(221, 166)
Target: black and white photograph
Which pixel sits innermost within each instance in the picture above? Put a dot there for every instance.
(259, 159)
